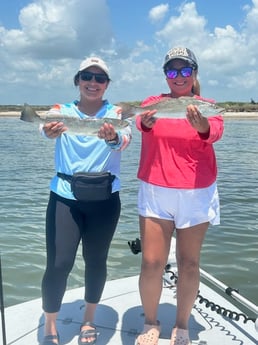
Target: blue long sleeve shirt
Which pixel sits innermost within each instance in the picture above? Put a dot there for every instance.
(79, 153)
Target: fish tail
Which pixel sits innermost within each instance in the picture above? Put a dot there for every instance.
(28, 114)
(127, 111)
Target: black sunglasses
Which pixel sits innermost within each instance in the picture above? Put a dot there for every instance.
(185, 72)
(100, 78)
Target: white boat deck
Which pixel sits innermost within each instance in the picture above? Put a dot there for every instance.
(120, 317)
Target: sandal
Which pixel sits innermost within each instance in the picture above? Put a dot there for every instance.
(180, 337)
(49, 339)
(87, 334)
(149, 335)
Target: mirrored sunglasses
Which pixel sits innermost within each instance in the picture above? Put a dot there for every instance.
(184, 72)
(100, 78)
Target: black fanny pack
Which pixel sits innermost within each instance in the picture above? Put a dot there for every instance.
(90, 186)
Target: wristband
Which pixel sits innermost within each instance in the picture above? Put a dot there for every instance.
(113, 141)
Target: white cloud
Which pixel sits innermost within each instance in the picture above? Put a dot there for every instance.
(187, 29)
(53, 36)
(58, 28)
(39, 58)
(157, 13)
(221, 53)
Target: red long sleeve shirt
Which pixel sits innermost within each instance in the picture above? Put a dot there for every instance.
(175, 155)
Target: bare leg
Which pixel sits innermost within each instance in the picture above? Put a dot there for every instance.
(89, 312)
(50, 324)
(155, 241)
(90, 309)
(188, 247)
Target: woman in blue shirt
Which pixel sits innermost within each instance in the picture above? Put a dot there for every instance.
(68, 220)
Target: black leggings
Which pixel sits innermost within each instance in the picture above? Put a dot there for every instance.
(68, 222)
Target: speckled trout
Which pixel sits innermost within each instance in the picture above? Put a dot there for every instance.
(75, 125)
(172, 108)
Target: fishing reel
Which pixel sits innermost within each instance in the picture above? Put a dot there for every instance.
(135, 246)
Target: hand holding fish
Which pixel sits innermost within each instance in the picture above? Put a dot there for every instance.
(54, 129)
(107, 132)
(55, 124)
(148, 120)
(197, 121)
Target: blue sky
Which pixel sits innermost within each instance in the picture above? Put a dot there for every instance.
(43, 42)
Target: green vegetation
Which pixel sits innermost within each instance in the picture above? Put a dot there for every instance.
(229, 106)
(4, 108)
(239, 106)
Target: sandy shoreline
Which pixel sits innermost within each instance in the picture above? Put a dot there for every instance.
(231, 115)
(240, 115)
(15, 113)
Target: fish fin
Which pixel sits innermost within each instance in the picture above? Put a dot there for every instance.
(127, 110)
(28, 114)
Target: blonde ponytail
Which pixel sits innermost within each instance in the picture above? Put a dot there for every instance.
(196, 89)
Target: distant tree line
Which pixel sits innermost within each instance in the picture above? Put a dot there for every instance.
(252, 106)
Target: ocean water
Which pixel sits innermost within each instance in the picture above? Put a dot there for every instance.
(230, 250)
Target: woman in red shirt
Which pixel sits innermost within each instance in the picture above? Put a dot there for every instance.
(178, 191)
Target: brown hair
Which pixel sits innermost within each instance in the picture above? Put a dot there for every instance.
(76, 79)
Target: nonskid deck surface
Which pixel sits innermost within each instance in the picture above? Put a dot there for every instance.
(119, 318)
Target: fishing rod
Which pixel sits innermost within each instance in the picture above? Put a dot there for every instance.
(2, 305)
(232, 293)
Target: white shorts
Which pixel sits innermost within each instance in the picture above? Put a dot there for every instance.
(185, 207)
